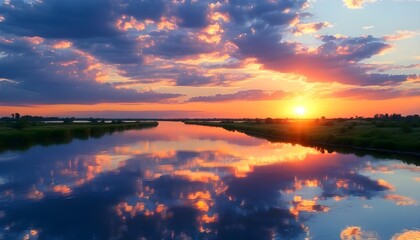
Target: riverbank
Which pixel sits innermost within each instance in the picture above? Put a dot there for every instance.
(12, 138)
(359, 135)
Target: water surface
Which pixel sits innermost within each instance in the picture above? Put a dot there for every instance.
(181, 181)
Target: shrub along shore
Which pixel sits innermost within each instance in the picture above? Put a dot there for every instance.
(13, 137)
(393, 137)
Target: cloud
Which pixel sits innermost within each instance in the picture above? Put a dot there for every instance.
(407, 234)
(305, 28)
(189, 79)
(400, 35)
(148, 42)
(247, 95)
(356, 4)
(41, 75)
(176, 44)
(145, 9)
(90, 93)
(384, 67)
(114, 50)
(63, 19)
(274, 13)
(375, 94)
(193, 14)
(368, 27)
(336, 60)
(352, 49)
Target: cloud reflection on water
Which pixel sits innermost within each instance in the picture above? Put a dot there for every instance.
(175, 182)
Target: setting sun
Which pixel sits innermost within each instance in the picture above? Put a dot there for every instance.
(300, 110)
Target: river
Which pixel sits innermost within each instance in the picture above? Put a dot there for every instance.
(180, 181)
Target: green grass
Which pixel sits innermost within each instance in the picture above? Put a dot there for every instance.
(12, 138)
(360, 134)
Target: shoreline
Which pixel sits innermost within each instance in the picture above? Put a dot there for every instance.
(272, 137)
(48, 134)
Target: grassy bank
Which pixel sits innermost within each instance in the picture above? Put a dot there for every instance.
(358, 134)
(13, 137)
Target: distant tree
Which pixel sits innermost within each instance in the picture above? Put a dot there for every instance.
(269, 121)
(323, 118)
(68, 120)
(17, 116)
(13, 115)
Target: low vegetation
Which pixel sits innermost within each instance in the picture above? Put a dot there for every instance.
(22, 134)
(385, 133)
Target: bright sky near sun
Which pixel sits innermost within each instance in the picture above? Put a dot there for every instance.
(170, 58)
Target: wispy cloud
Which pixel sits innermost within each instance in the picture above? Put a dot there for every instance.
(247, 95)
(374, 94)
(400, 35)
(356, 4)
(368, 27)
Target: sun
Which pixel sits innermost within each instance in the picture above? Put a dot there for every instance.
(300, 110)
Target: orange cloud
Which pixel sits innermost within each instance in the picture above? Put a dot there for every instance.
(407, 235)
(304, 205)
(197, 176)
(351, 232)
(63, 189)
(211, 34)
(199, 195)
(62, 45)
(34, 40)
(356, 232)
(125, 23)
(216, 16)
(306, 28)
(167, 24)
(386, 184)
(400, 200)
(69, 63)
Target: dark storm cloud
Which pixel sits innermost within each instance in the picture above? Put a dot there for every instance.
(247, 95)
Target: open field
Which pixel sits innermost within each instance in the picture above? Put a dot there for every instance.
(398, 137)
(17, 138)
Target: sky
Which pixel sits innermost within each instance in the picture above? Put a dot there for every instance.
(204, 58)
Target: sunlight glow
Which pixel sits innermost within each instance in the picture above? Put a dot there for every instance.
(300, 110)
